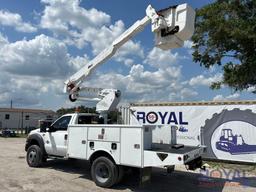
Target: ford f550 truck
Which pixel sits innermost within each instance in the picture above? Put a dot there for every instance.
(108, 147)
(111, 147)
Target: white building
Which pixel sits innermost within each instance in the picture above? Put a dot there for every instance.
(17, 118)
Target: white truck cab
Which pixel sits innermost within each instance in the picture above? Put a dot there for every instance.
(108, 147)
(55, 137)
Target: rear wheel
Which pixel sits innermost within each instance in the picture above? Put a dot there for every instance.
(44, 159)
(34, 156)
(104, 172)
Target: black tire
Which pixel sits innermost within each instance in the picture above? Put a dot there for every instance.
(104, 172)
(44, 159)
(72, 159)
(34, 156)
(218, 119)
(120, 174)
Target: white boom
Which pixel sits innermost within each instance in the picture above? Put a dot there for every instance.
(172, 26)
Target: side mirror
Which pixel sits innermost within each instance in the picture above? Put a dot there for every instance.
(50, 129)
(42, 127)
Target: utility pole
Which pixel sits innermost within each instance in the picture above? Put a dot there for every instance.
(13, 100)
(21, 122)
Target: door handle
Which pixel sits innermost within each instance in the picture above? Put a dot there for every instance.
(91, 144)
(65, 137)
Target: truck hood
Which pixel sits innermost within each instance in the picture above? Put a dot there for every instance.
(34, 131)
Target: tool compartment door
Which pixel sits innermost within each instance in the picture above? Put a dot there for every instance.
(106, 133)
(77, 141)
(132, 146)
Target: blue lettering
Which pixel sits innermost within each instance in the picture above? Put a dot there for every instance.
(172, 118)
(162, 116)
(237, 174)
(227, 174)
(166, 117)
(141, 116)
(181, 119)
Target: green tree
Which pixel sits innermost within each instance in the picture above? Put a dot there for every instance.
(82, 109)
(113, 116)
(225, 35)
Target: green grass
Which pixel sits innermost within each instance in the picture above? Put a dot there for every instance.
(246, 167)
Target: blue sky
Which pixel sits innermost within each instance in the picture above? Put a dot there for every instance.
(43, 42)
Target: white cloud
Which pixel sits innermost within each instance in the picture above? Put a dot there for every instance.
(30, 91)
(225, 98)
(161, 84)
(202, 80)
(251, 89)
(19, 89)
(187, 93)
(66, 18)
(3, 40)
(142, 85)
(41, 56)
(102, 37)
(233, 96)
(159, 78)
(78, 62)
(130, 49)
(39, 66)
(161, 59)
(79, 26)
(15, 20)
(62, 14)
(188, 44)
(31, 68)
(128, 62)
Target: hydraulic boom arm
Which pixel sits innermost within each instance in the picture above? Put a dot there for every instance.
(172, 26)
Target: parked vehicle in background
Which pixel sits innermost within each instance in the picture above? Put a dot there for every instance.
(8, 133)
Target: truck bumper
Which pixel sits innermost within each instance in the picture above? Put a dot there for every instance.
(165, 155)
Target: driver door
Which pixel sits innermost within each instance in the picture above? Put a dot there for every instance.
(56, 138)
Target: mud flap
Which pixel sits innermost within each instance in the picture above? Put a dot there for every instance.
(194, 164)
(145, 176)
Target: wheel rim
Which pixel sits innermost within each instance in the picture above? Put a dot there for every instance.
(102, 172)
(32, 156)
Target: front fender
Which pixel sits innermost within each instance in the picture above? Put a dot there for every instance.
(35, 139)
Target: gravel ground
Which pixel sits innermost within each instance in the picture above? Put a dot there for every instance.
(63, 175)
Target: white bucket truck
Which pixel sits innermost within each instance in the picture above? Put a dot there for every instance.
(111, 147)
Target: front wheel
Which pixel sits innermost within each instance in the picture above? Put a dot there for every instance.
(104, 172)
(34, 156)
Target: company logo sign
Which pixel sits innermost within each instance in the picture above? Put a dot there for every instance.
(162, 118)
(183, 129)
(218, 177)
